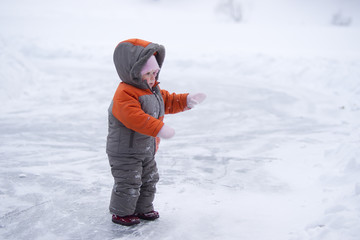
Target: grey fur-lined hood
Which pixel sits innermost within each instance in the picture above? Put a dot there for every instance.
(131, 55)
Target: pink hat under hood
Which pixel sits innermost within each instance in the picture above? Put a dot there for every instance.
(150, 65)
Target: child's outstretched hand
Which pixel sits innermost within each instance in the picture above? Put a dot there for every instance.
(194, 99)
(166, 132)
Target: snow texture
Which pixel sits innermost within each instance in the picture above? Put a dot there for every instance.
(272, 153)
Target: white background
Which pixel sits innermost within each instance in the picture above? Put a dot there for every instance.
(273, 152)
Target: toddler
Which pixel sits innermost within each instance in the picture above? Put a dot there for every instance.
(135, 127)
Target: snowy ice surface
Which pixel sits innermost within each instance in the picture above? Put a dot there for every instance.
(272, 153)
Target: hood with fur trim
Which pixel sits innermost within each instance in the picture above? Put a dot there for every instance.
(131, 55)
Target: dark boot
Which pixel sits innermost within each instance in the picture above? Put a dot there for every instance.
(126, 221)
(148, 216)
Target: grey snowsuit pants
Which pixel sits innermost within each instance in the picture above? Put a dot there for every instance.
(135, 181)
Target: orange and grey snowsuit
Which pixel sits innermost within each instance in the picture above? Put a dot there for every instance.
(135, 118)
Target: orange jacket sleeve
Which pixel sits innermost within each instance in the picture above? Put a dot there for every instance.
(127, 109)
(174, 103)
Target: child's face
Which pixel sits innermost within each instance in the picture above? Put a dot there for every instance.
(150, 77)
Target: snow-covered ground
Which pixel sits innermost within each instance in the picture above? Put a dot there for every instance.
(273, 152)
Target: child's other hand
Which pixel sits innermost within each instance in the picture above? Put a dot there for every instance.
(166, 132)
(194, 99)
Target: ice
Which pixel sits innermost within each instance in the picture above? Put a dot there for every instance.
(272, 153)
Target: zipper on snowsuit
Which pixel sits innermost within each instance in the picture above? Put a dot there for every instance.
(159, 102)
(131, 142)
